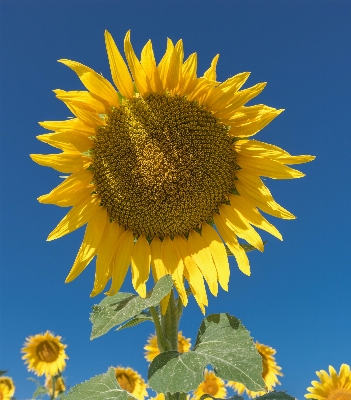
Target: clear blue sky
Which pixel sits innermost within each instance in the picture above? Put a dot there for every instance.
(298, 297)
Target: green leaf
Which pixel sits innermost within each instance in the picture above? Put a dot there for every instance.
(117, 309)
(222, 342)
(101, 387)
(138, 319)
(275, 396)
(2, 372)
(40, 390)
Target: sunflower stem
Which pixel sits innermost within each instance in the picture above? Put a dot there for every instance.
(53, 381)
(169, 323)
(162, 344)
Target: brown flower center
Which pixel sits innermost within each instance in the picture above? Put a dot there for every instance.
(339, 394)
(48, 351)
(163, 165)
(125, 382)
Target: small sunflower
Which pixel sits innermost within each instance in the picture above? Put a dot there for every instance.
(152, 349)
(45, 354)
(7, 388)
(132, 382)
(211, 385)
(333, 386)
(163, 170)
(60, 386)
(269, 373)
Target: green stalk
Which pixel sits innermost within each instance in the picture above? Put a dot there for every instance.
(53, 381)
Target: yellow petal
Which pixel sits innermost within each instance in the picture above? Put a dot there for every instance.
(222, 95)
(63, 162)
(141, 80)
(251, 127)
(252, 215)
(149, 64)
(174, 69)
(141, 258)
(267, 167)
(158, 268)
(89, 118)
(106, 252)
(219, 254)
(85, 100)
(157, 265)
(231, 241)
(192, 272)
(189, 79)
(121, 262)
(78, 216)
(94, 82)
(70, 196)
(71, 124)
(70, 141)
(174, 265)
(242, 97)
(71, 186)
(260, 149)
(163, 66)
(202, 256)
(88, 249)
(236, 222)
(251, 187)
(211, 72)
(119, 69)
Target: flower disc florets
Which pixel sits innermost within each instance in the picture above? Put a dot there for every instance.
(163, 165)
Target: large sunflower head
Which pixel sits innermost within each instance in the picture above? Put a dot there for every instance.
(60, 386)
(163, 170)
(132, 382)
(333, 386)
(270, 371)
(7, 388)
(211, 385)
(152, 349)
(45, 354)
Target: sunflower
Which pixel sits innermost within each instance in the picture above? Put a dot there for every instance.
(45, 354)
(163, 171)
(132, 382)
(269, 373)
(7, 388)
(333, 386)
(60, 386)
(211, 385)
(152, 349)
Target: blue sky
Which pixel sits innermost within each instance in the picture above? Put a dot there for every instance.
(297, 299)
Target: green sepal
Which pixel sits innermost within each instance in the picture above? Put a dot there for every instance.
(117, 309)
(245, 246)
(222, 342)
(2, 372)
(101, 387)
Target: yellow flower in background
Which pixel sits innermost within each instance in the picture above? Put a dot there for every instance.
(211, 385)
(44, 354)
(269, 373)
(152, 349)
(132, 382)
(333, 386)
(7, 388)
(163, 171)
(60, 386)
